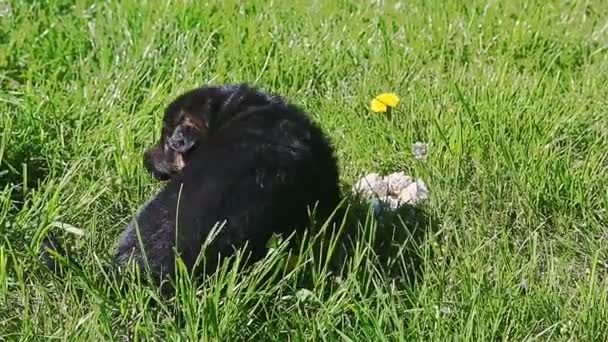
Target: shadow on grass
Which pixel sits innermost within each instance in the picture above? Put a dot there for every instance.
(390, 239)
(371, 255)
(22, 161)
(23, 169)
(388, 244)
(396, 238)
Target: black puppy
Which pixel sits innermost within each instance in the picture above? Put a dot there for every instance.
(233, 156)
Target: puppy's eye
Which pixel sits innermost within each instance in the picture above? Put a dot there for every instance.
(180, 141)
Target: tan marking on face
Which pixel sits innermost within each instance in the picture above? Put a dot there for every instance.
(190, 121)
(179, 161)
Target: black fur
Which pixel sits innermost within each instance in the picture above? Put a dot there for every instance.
(235, 155)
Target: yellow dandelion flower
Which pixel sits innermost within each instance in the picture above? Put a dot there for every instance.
(384, 101)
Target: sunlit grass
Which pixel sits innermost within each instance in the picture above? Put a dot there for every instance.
(509, 97)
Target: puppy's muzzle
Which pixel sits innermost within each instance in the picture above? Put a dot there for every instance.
(162, 162)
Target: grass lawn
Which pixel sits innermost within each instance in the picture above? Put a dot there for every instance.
(511, 97)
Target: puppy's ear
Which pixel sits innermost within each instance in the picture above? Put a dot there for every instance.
(187, 133)
(235, 99)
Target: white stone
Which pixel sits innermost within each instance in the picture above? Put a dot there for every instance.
(396, 182)
(408, 195)
(370, 185)
(391, 191)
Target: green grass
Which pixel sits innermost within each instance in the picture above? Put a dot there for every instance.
(512, 97)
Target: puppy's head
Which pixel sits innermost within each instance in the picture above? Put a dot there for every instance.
(180, 134)
(193, 117)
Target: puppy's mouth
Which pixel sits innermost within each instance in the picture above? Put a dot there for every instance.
(163, 163)
(179, 161)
